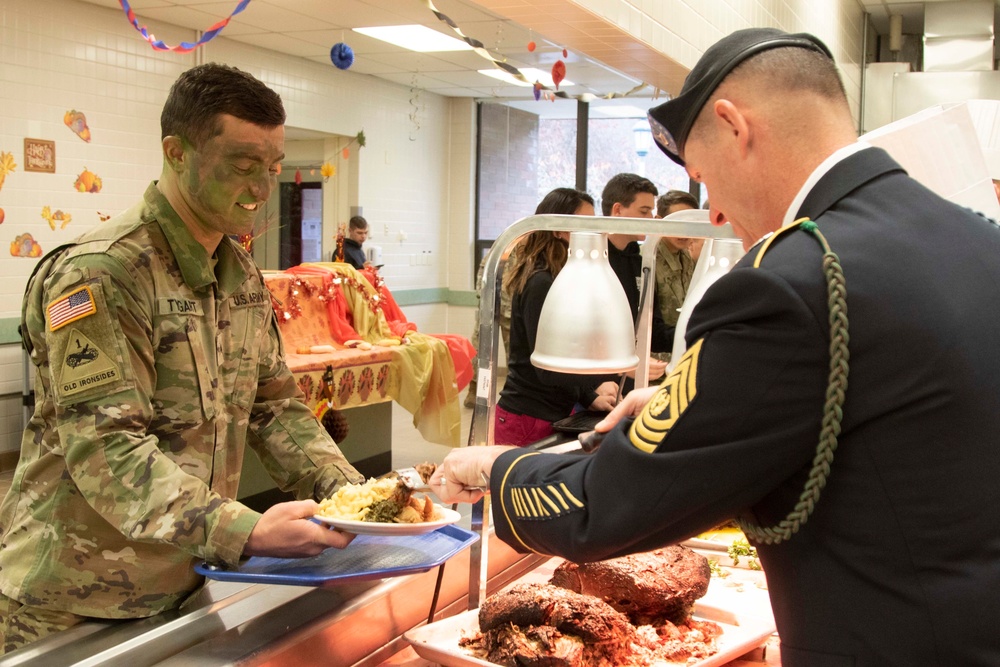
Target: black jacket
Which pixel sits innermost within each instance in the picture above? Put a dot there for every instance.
(627, 265)
(900, 562)
(353, 254)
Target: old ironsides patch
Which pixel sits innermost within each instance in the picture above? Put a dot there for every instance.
(84, 366)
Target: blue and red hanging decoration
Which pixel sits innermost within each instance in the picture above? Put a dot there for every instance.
(183, 47)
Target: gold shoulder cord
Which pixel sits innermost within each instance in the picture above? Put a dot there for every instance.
(832, 409)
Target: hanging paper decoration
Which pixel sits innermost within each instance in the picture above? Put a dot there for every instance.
(2, 216)
(7, 166)
(184, 47)
(57, 219)
(346, 153)
(558, 72)
(25, 246)
(298, 177)
(341, 55)
(531, 47)
(537, 90)
(480, 50)
(565, 54)
(326, 171)
(76, 121)
(415, 108)
(88, 181)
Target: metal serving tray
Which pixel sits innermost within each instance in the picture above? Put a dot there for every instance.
(438, 642)
(367, 557)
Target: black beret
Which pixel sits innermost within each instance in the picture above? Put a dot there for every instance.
(672, 120)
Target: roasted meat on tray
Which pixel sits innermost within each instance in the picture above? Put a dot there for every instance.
(648, 587)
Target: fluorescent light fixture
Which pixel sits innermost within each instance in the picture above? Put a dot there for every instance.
(415, 38)
(618, 111)
(530, 73)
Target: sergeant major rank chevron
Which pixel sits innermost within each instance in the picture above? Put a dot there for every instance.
(667, 404)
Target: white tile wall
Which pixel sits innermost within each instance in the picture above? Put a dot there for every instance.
(57, 55)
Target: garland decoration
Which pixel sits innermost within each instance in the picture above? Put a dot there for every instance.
(481, 50)
(183, 47)
(296, 288)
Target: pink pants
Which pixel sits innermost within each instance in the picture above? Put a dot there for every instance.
(519, 430)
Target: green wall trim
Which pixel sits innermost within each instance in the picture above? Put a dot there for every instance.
(405, 297)
(421, 297)
(8, 331)
(465, 298)
(417, 297)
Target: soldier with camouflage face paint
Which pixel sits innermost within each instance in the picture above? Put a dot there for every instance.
(157, 358)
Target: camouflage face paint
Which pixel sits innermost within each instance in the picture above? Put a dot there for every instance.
(232, 174)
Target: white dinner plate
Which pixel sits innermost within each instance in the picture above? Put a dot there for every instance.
(448, 516)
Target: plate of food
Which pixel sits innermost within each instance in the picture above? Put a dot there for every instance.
(384, 506)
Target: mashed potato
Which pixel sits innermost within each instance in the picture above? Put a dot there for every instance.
(352, 501)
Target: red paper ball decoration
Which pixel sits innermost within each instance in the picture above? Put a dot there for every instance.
(531, 47)
(558, 72)
(565, 53)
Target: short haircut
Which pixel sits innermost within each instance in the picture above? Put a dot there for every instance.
(672, 198)
(201, 94)
(357, 222)
(622, 189)
(782, 71)
(793, 69)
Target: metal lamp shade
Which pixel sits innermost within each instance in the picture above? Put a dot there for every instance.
(586, 323)
(717, 257)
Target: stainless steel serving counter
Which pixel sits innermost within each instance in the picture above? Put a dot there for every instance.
(353, 624)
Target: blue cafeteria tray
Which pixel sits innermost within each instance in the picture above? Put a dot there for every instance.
(367, 557)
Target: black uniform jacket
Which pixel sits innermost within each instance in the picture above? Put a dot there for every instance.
(900, 562)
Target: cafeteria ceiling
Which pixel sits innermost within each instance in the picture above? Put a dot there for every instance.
(602, 58)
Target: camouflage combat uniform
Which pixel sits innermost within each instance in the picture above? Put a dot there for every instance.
(153, 370)
(502, 318)
(673, 278)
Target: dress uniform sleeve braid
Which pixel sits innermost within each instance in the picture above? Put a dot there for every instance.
(832, 410)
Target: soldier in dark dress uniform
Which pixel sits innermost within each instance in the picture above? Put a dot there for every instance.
(874, 503)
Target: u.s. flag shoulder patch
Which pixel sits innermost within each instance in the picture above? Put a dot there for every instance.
(74, 306)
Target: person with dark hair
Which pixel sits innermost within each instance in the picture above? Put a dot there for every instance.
(531, 398)
(674, 263)
(158, 360)
(838, 396)
(357, 233)
(632, 196)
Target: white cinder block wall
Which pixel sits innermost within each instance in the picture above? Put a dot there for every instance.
(415, 179)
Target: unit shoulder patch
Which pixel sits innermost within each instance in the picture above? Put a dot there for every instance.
(84, 366)
(668, 403)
